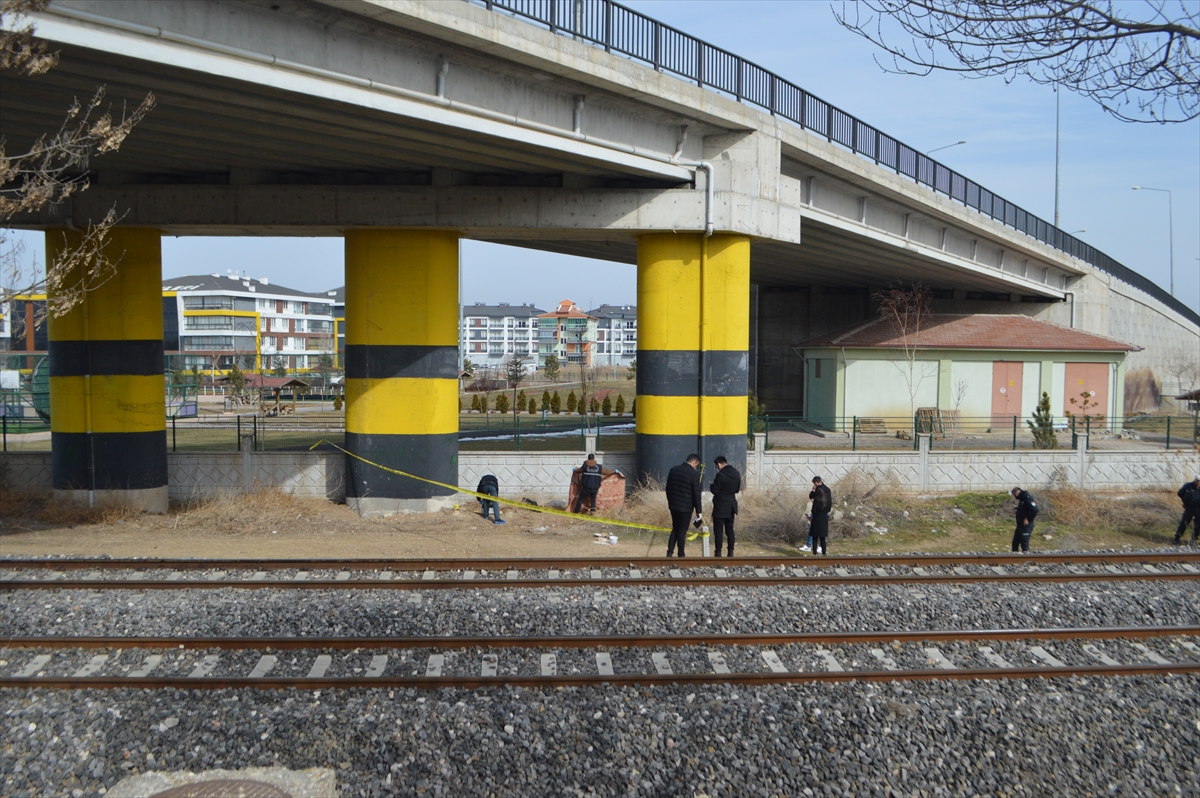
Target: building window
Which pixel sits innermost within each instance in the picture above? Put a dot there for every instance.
(208, 303)
(207, 342)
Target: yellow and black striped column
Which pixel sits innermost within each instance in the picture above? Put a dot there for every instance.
(107, 393)
(401, 368)
(693, 350)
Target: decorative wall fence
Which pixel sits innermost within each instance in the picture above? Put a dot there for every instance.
(545, 475)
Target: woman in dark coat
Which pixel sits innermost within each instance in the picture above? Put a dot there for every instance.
(822, 503)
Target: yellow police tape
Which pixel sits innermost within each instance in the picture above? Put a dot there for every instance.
(488, 497)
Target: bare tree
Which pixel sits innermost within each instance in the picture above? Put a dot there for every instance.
(1182, 364)
(1139, 61)
(51, 170)
(907, 310)
(960, 393)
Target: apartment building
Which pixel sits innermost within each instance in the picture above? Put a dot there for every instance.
(212, 321)
(337, 297)
(491, 334)
(616, 335)
(566, 332)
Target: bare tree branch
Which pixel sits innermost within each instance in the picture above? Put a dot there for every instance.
(52, 170)
(1139, 61)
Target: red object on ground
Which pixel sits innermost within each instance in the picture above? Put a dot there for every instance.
(610, 497)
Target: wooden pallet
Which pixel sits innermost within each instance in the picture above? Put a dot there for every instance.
(872, 426)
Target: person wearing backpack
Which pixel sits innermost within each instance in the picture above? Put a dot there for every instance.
(1027, 510)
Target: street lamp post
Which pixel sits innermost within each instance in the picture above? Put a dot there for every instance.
(1170, 228)
(945, 147)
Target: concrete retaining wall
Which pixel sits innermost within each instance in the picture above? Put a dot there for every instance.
(545, 476)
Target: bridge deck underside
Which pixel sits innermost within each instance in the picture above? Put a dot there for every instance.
(204, 125)
(826, 255)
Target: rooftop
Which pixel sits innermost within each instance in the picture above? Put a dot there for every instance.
(975, 331)
(235, 284)
(614, 312)
(503, 309)
(566, 309)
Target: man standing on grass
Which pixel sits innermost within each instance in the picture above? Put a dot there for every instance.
(683, 500)
(1026, 511)
(1189, 494)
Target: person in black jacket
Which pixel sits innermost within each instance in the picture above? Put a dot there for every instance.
(1189, 494)
(683, 499)
(1027, 510)
(489, 485)
(822, 503)
(724, 488)
(591, 474)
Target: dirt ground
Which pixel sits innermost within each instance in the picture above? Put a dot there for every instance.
(277, 526)
(269, 524)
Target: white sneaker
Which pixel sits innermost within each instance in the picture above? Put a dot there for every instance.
(805, 548)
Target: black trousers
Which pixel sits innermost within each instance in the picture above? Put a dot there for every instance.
(680, 521)
(723, 527)
(819, 544)
(1190, 516)
(1021, 536)
(585, 495)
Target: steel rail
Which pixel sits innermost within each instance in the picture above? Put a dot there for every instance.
(603, 641)
(11, 585)
(645, 679)
(569, 563)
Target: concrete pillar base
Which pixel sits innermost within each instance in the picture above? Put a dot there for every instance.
(147, 500)
(374, 507)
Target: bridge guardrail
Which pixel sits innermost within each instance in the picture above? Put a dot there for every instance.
(629, 33)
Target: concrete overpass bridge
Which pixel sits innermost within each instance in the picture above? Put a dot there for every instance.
(757, 214)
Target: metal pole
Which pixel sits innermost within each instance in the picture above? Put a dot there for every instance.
(5, 418)
(1014, 433)
(239, 432)
(173, 444)
(518, 428)
(1168, 432)
(853, 435)
(1057, 145)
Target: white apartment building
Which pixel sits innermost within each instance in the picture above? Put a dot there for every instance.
(212, 321)
(491, 334)
(616, 335)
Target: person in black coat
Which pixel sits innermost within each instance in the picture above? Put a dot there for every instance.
(1027, 510)
(822, 503)
(724, 488)
(489, 485)
(683, 499)
(1189, 494)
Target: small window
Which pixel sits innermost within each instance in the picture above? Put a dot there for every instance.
(817, 369)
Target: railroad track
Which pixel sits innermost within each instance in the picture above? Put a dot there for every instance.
(162, 574)
(468, 662)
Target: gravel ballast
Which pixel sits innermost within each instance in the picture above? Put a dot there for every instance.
(1123, 736)
(1133, 736)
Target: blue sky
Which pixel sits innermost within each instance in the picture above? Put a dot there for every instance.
(1009, 130)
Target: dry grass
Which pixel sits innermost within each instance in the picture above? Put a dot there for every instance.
(1081, 518)
(262, 511)
(42, 508)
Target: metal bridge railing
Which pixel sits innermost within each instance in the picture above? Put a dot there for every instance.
(622, 30)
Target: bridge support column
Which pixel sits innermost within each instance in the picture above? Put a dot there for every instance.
(693, 350)
(401, 369)
(107, 390)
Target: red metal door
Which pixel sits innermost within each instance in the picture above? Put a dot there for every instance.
(1006, 392)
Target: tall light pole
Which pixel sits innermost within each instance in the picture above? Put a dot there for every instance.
(1170, 228)
(1057, 145)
